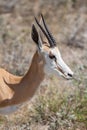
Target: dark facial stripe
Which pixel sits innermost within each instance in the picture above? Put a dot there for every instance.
(60, 70)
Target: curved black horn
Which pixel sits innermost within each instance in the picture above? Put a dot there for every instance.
(53, 43)
(47, 36)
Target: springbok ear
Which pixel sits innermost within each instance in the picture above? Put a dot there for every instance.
(34, 34)
(36, 37)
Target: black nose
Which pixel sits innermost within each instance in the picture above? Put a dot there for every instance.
(70, 75)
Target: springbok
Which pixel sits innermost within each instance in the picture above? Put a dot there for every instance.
(15, 90)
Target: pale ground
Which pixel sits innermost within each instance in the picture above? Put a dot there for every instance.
(17, 50)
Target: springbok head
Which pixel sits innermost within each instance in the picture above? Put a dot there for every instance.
(54, 63)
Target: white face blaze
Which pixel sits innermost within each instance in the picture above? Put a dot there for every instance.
(54, 64)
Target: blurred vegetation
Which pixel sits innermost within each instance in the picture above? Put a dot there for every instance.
(61, 105)
(62, 110)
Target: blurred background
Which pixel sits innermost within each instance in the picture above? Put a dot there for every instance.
(58, 104)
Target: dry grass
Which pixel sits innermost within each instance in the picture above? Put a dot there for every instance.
(53, 108)
(62, 110)
(58, 104)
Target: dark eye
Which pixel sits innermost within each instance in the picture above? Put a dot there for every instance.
(52, 57)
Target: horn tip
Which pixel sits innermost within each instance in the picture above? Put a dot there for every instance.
(41, 15)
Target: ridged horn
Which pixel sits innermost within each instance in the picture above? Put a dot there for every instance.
(48, 36)
(53, 42)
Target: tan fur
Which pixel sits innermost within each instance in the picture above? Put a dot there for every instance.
(16, 90)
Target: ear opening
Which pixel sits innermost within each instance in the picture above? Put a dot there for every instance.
(34, 34)
(36, 37)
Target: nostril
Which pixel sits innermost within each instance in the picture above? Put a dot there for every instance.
(70, 75)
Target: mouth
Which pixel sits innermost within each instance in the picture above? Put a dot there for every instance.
(65, 75)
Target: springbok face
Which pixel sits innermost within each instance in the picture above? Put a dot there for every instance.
(54, 63)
